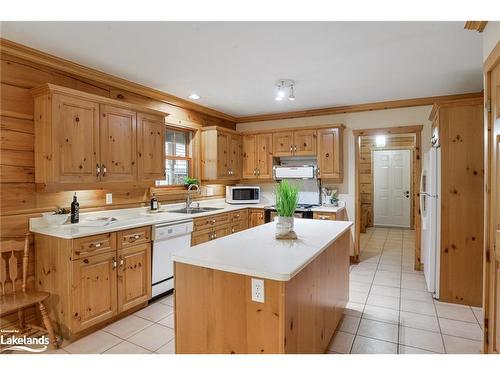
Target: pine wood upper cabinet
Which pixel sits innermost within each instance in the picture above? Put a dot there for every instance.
(118, 139)
(94, 290)
(83, 140)
(221, 154)
(330, 154)
(249, 147)
(68, 151)
(134, 276)
(258, 156)
(283, 144)
(264, 156)
(235, 156)
(304, 142)
(295, 143)
(150, 147)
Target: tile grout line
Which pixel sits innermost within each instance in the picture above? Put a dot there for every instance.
(369, 290)
(400, 296)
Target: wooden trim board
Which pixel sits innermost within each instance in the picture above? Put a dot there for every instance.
(403, 103)
(475, 25)
(417, 130)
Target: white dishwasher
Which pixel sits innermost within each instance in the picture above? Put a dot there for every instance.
(168, 238)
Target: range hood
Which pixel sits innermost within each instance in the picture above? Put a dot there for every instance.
(304, 172)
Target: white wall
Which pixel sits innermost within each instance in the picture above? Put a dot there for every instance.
(359, 120)
(491, 35)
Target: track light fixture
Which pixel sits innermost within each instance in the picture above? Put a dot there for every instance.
(283, 86)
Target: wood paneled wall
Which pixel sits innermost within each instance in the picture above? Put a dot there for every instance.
(366, 167)
(19, 200)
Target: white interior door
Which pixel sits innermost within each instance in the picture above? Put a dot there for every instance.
(391, 178)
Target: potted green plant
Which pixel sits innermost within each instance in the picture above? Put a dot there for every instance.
(287, 197)
(191, 181)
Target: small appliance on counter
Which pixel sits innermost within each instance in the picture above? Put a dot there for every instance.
(241, 194)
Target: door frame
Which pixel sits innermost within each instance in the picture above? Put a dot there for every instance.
(412, 177)
(417, 167)
(489, 204)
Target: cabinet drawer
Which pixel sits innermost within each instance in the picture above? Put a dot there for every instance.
(98, 244)
(134, 236)
(208, 222)
(206, 235)
(324, 216)
(238, 226)
(238, 215)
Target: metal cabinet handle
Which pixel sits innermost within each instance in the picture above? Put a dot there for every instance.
(215, 235)
(324, 217)
(232, 230)
(255, 171)
(317, 173)
(96, 244)
(104, 170)
(291, 148)
(98, 170)
(122, 261)
(114, 263)
(295, 148)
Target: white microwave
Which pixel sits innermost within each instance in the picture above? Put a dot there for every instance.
(242, 194)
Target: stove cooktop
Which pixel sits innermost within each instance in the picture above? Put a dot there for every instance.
(301, 207)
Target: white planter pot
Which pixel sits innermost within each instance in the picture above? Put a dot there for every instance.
(284, 225)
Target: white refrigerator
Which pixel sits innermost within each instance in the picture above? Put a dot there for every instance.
(430, 209)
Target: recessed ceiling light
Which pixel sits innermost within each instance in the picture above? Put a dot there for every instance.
(194, 96)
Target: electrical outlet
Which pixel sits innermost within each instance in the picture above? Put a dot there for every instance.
(109, 198)
(258, 290)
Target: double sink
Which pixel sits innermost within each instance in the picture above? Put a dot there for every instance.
(196, 210)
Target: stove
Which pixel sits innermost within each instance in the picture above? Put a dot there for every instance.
(303, 211)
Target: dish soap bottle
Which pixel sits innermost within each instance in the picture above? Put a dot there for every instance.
(154, 203)
(75, 210)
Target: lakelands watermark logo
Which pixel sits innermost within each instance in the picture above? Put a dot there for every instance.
(11, 342)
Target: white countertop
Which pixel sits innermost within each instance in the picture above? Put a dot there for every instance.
(130, 218)
(255, 251)
(328, 209)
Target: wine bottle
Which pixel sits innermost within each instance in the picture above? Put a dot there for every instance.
(75, 210)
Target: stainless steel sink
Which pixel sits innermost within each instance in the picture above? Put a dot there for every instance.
(196, 210)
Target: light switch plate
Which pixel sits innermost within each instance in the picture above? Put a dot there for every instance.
(258, 290)
(109, 198)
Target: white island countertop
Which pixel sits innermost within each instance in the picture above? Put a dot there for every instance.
(255, 251)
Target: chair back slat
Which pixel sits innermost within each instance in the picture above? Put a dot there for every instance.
(9, 264)
(3, 274)
(13, 270)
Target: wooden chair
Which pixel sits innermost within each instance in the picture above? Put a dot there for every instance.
(14, 298)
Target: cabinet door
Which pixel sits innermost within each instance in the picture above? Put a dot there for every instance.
(283, 144)
(203, 236)
(150, 147)
(255, 217)
(249, 156)
(235, 156)
(76, 139)
(118, 144)
(264, 156)
(223, 144)
(134, 276)
(304, 142)
(94, 290)
(330, 154)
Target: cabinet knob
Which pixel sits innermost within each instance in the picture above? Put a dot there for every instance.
(113, 260)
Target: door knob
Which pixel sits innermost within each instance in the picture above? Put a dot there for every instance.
(406, 194)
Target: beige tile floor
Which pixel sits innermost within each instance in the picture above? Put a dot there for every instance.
(390, 310)
(150, 330)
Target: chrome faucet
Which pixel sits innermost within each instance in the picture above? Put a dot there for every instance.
(189, 199)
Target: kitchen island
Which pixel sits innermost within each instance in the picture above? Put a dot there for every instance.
(219, 307)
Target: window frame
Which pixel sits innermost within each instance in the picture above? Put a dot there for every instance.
(190, 134)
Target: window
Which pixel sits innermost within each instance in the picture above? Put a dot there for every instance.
(178, 157)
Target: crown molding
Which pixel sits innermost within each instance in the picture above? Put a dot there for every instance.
(403, 103)
(36, 56)
(475, 25)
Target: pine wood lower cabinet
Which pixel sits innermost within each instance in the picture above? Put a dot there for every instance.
(298, 316)
(339, 215)
(255, 217)
(94, 279)
(211, 227)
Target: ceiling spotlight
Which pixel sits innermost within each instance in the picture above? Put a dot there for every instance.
(284, 87)
(194, 96)
(291, 96)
